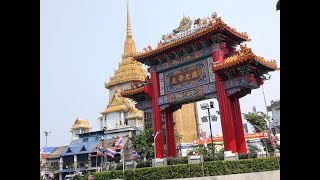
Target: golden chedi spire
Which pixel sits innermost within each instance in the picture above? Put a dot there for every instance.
(129, 69)
(129, 46)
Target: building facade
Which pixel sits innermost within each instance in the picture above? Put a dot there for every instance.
(275, 121)
(54, 162)
(44, 153)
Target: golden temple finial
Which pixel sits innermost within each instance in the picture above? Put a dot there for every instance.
(129, 46)
(129, 33)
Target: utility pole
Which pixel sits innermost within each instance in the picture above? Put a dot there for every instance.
(46, 133)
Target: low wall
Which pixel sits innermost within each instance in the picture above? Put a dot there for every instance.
(267, 175)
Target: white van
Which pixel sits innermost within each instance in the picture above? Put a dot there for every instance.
(70, 176)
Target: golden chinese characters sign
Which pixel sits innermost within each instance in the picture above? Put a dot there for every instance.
(189, 82)
(184, 77)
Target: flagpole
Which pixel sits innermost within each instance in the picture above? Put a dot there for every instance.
(122, 162)
(102, 139)
(96, 161)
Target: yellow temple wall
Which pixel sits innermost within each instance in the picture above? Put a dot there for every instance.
(186, 122)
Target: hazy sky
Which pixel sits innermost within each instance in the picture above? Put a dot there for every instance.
(82, 41)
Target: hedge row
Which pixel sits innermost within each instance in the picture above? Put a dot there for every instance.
(184, 160)
(212, 168)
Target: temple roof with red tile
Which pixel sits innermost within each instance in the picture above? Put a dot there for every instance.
(212, 25)
(243, 56)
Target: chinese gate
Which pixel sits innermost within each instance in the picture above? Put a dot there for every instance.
(197, 63)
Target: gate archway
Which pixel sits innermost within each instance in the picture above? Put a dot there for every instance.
(193, 64)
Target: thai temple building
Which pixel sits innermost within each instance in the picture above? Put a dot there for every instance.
(121, 114)
(80, 126)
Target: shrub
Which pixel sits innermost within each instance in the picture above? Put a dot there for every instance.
(211, 168)
(179, 160)
(85, 177)
(142, 164)
(210, 158)
(119, 166)
(77, 177)
(247, 155)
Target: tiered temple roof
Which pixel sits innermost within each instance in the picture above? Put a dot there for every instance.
(135, 113)
(245, 55)
(133, 91)
(80, 123)
(129, 70)
(186, 40)
(212, 25)
(117, 103)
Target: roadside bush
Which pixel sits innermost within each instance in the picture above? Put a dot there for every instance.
(77, 177)
(247, 155)
(142, 164)
(211, 168)
(179, 160)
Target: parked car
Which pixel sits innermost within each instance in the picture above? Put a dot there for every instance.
(70, 176)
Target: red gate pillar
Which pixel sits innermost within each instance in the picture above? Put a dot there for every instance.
(240, 140)
(156, 114)
(218, 52)
(171, 142)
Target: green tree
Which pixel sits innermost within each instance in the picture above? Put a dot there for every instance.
(199, 149)
(257, 119)
(220, 153)
(143, 143)
(178, 138)
(77, 177)
(253, 149)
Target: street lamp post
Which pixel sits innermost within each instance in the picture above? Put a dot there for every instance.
(154, 142)
(265, 103)
(205, 106)
(102, 139)
(46, 133)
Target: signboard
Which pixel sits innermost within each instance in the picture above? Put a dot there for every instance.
(187, 83)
